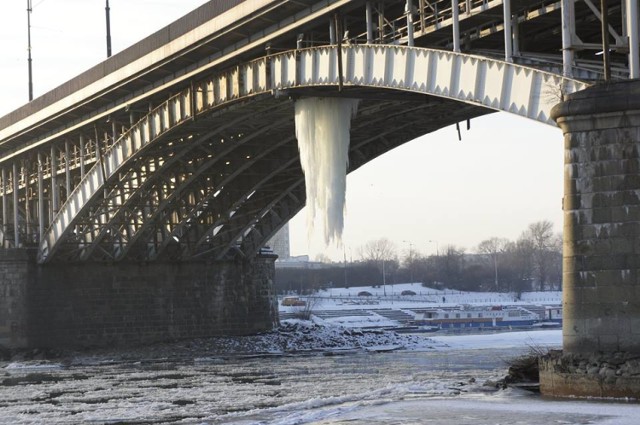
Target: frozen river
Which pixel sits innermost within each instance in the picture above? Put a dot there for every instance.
(441, 383)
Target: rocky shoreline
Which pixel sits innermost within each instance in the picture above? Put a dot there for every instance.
(608, 375)
(290, 338)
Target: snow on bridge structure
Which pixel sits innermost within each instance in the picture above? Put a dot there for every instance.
(165, 169)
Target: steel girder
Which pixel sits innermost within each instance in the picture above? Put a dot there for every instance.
(141, 192)
(192, 164)
(372, 136)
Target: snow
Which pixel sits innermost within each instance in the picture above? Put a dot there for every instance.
(536, 339)
(32, 366)
(504, 409)
(390, 296)
(343, 306)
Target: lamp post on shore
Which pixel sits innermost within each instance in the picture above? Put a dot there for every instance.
(437, 249)
(384, 280)
(410, 262)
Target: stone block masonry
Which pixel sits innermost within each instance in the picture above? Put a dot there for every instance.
(602, 375)
(601, 289)
(87, 305)
(14, 278)
(601, 269)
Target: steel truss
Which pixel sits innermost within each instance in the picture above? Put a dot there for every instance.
(214, 168)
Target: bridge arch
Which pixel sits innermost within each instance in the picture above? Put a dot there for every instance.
(166, 180)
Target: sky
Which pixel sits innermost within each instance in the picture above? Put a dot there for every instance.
(506, 173)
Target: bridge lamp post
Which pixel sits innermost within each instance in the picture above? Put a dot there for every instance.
(29, 10)
(107, 13)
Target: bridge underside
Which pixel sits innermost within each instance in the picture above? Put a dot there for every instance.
(226, 182)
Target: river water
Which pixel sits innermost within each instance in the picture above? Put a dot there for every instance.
(428, 386)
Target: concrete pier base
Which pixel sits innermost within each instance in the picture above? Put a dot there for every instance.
(603, 375)
(601, 269)
(88, 305)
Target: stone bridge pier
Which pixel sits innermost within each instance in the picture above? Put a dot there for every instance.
(601, 271)
(97, 304)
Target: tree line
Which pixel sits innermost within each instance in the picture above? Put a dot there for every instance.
(531, 262)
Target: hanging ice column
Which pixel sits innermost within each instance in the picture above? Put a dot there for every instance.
(322, 130)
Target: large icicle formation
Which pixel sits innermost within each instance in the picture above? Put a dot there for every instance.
(322, 130)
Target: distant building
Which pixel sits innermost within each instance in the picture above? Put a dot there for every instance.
(279, 243)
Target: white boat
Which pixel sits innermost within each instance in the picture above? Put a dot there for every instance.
(466, 316)
(552, 318)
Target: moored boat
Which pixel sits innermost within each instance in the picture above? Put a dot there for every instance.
(466, 316)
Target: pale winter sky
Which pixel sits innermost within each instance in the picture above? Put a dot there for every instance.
(434, 191)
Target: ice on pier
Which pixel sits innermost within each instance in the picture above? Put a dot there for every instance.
(322, 130)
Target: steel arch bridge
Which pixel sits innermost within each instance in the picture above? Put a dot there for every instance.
(210, 167)
(216, 167)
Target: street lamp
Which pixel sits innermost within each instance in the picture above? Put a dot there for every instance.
(344, 251)
(384, 280)
(437, 250)
(410, 259)
(495, 266)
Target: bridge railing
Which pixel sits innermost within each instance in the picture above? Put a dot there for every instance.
(427, 16)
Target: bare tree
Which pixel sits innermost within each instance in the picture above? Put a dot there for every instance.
(411, 261)
(382, 253)
(542, 239)
(555, 275)
(378, 250)
(304, 312)
(450, 265)
(494, 248)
